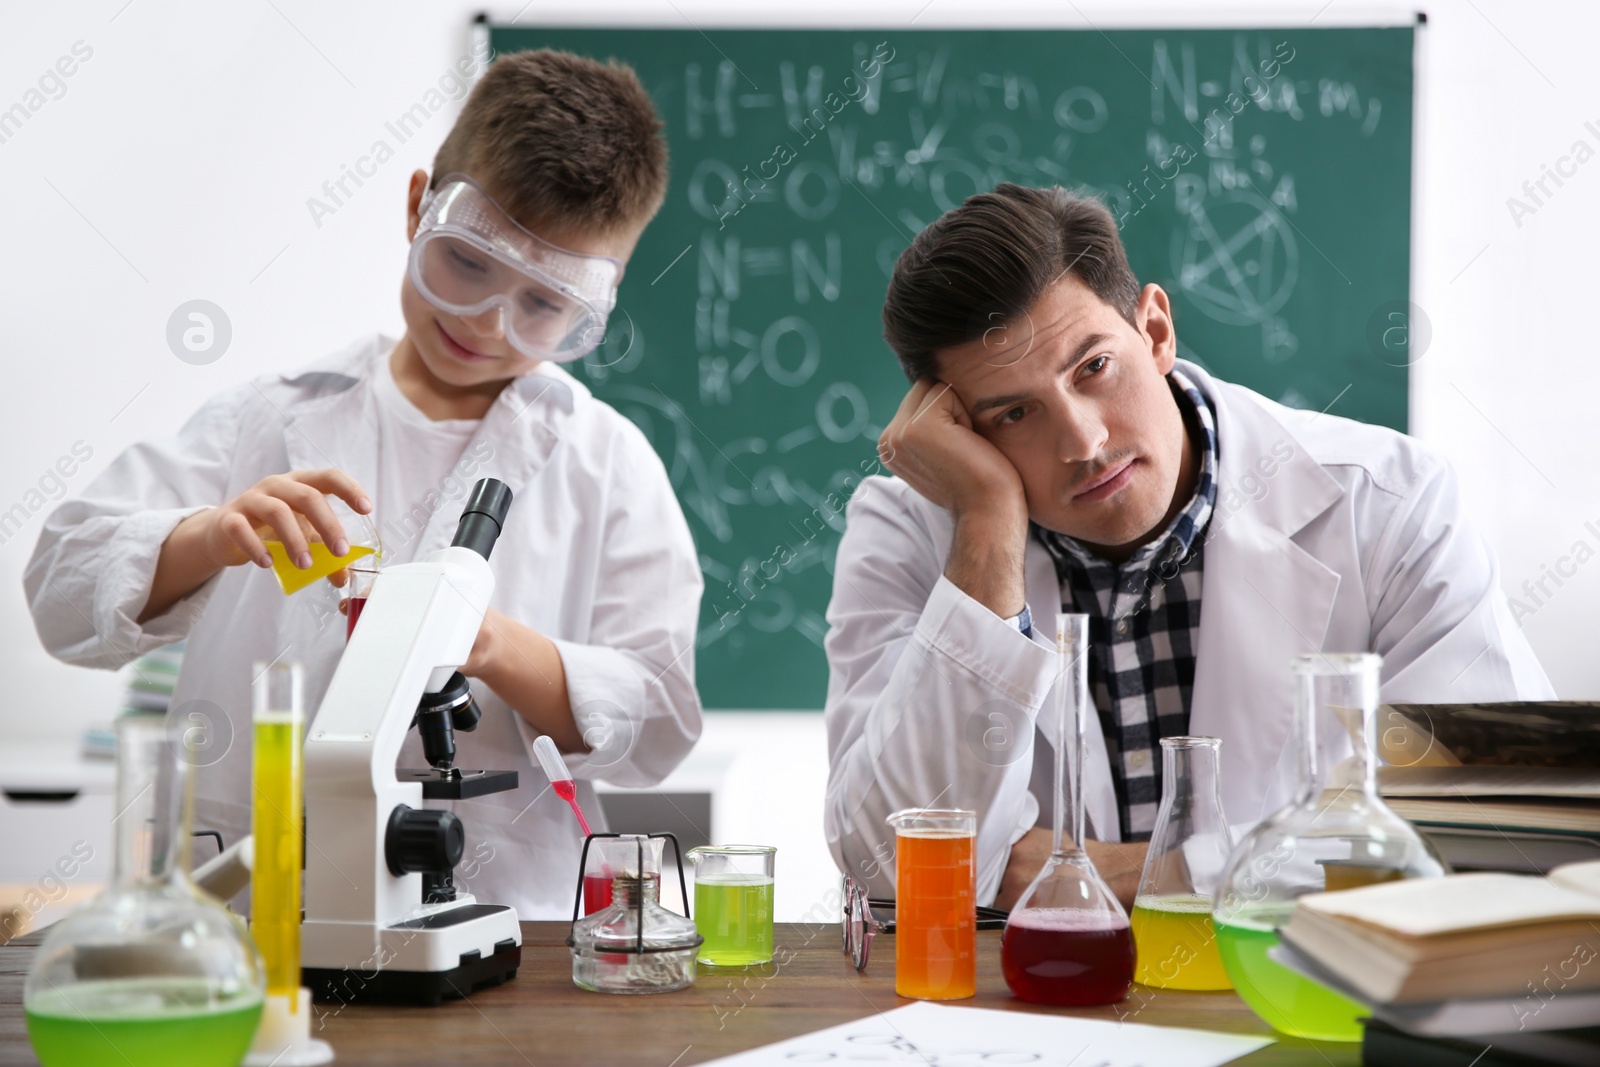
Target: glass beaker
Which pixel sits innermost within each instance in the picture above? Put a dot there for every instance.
(609, 857)
(634, 945)
(152, 972)
(936, 903)
(733, 894)
(359, 531)
(1172, 932)
(1336, 833)
(1067, 941)
(362, 575)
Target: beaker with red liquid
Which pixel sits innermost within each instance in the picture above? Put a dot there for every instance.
(596, 891)
(1068, 941)
(611, 858)
(356, 591)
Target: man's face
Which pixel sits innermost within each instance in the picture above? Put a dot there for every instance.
(1076, 398)
(466, 351)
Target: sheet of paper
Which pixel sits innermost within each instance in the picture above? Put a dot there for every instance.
(936, 1035)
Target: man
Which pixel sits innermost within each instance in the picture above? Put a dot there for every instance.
(1054, 454)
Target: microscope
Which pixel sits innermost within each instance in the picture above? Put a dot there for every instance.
(384, 921)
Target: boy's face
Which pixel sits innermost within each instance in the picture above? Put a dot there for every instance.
(471, 350)
(1077, 399)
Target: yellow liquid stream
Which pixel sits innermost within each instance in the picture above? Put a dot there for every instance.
(1176, 945)
(323, 563)
(275, 878)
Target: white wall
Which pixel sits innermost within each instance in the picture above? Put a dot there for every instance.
(178, 162)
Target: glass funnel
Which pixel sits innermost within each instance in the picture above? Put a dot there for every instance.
(1189, 847)
(1068, 941)
(634, 945)
(152, 972)
(1335, 834)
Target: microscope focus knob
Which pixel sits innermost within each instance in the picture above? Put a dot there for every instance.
(423, 839)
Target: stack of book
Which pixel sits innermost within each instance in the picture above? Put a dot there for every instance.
(1497, 787)
(1511, 959)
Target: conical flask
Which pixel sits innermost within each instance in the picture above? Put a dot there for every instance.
(1068, 941)
(1335, 834)
(1189, 848)
(152, 972)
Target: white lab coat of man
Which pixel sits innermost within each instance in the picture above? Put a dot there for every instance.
(1328, 535)
(595, 554)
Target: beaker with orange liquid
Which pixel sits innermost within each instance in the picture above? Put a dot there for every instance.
(936, 903)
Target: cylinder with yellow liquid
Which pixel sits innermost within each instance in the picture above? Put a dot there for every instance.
(277, 816)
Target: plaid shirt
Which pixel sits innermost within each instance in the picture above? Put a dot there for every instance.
(1144, 623)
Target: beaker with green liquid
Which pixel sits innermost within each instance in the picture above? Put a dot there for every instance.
(152, 972)
(733, 903)
(1336, 833)
(359, 531)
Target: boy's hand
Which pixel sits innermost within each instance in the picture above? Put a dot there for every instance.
(287, 507)
(484, 656)
(932, 446)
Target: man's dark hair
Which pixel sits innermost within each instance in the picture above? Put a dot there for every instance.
(986, 262)
(561, 140)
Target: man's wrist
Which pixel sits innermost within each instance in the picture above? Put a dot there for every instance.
(986, 560)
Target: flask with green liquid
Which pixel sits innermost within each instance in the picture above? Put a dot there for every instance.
(1335, 834)
(152, 972)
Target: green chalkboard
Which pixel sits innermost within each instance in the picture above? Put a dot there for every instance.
(1262, 177)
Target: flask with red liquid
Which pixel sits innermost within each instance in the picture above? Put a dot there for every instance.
(1068, 941)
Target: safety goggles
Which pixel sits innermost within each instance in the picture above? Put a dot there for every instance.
(469, 256)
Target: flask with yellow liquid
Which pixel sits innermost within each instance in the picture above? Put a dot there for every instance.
(1177, 947)
(359, 531)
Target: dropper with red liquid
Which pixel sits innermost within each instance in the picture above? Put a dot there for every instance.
(560, 778)
(596, 886)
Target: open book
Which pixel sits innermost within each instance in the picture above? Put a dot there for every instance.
(1463, 936)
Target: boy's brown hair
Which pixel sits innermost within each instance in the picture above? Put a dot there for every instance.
(983, 264)
(561, 140)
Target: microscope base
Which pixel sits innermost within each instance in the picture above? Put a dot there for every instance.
(439, 956)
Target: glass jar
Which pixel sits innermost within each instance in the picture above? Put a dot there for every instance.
(1335, 834)
(634, 945)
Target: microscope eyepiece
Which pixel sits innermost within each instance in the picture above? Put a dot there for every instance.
(483, 516)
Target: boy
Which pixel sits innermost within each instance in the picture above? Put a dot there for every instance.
(537, 199)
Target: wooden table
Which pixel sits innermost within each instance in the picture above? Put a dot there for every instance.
(542, 1018)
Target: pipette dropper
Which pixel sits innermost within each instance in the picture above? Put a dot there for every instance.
(560, 778)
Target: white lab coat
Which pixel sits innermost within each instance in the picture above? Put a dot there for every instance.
(1328, 535)
(595, 554)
